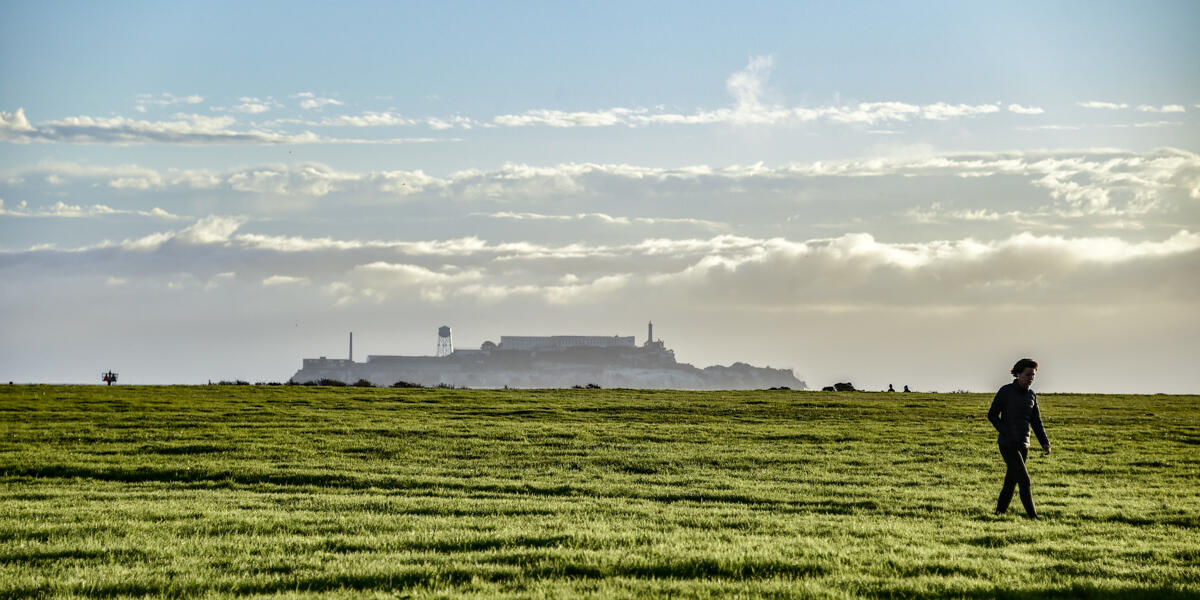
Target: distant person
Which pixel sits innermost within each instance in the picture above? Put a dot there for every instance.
(1013, 412)
(890, 388)
(906, 388)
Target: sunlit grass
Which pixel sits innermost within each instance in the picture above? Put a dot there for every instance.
(232, 491)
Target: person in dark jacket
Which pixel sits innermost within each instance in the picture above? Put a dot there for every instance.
(1014, 411)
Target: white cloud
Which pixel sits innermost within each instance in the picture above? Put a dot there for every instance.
(721, 272)
(748, 89)
(1025, 110)
(184, 130)
(255, 106)
(14, 126)
(1051, 128)
(1166, 108)
(311, 101)
(557, 118)
(942, 111)
(1103, 105)
(1023, 269)
(455, 121)
(284, 280)
(1103, 183)
(605, 218)
(211, 230)
(936, 213)
(866, 113)
(377, 279)
(165, 99)
(75, 211)
(368, 119)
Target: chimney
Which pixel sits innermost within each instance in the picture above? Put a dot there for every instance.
(650, 332)
(351, 346)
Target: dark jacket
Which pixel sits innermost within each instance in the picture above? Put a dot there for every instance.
(1013, 412)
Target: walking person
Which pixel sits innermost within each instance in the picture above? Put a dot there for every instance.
(1014, 411)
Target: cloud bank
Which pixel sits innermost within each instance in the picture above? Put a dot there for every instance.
(185, 129)
(725, 271)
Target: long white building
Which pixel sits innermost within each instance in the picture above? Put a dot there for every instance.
(561, 342)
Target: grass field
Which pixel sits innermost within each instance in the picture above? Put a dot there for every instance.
(244, 491)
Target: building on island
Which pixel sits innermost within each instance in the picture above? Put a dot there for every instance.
(547, 362)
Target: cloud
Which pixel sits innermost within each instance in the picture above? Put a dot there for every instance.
(211, 230)
(1024, 270)
(255, 106)
(1103, 105)
(184, 130)
(391, 119)
(748, 90)
(275, 280)
(75, 211)
(723, 272)
(165, 99)
(936, 213)
(378, 279)
(865, 113)
(942, 111)
(605, 218)
(1145, 124)
(1051, 128)
(455, 121)
(14, 125)
(1166, 108)
(1060, 187)
(367, 119)
(310, 101)
(1025, 110)
(557, 118)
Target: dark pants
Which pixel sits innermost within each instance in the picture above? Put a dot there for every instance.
(1014, 457)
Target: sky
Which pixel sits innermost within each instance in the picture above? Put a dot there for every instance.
(906, 193)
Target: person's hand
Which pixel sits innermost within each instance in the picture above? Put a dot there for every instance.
(1046, 448)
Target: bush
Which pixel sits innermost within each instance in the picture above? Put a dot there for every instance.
(363, 383)
(234, 382)
(405, 384)
(330, 382)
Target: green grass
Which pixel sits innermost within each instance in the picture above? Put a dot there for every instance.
(349, 492)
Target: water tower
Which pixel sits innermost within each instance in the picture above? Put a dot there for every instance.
(445, 345)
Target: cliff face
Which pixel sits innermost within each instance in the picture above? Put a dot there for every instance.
(606, 367)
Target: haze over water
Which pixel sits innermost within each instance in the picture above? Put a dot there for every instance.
(904, 193)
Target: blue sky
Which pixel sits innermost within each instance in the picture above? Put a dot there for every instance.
(860, 176)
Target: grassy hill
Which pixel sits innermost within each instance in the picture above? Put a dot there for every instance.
(238, 491)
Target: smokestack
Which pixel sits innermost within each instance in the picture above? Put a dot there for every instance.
(650, 332)
(351, 346)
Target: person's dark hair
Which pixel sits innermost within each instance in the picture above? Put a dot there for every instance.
(1023, 364)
